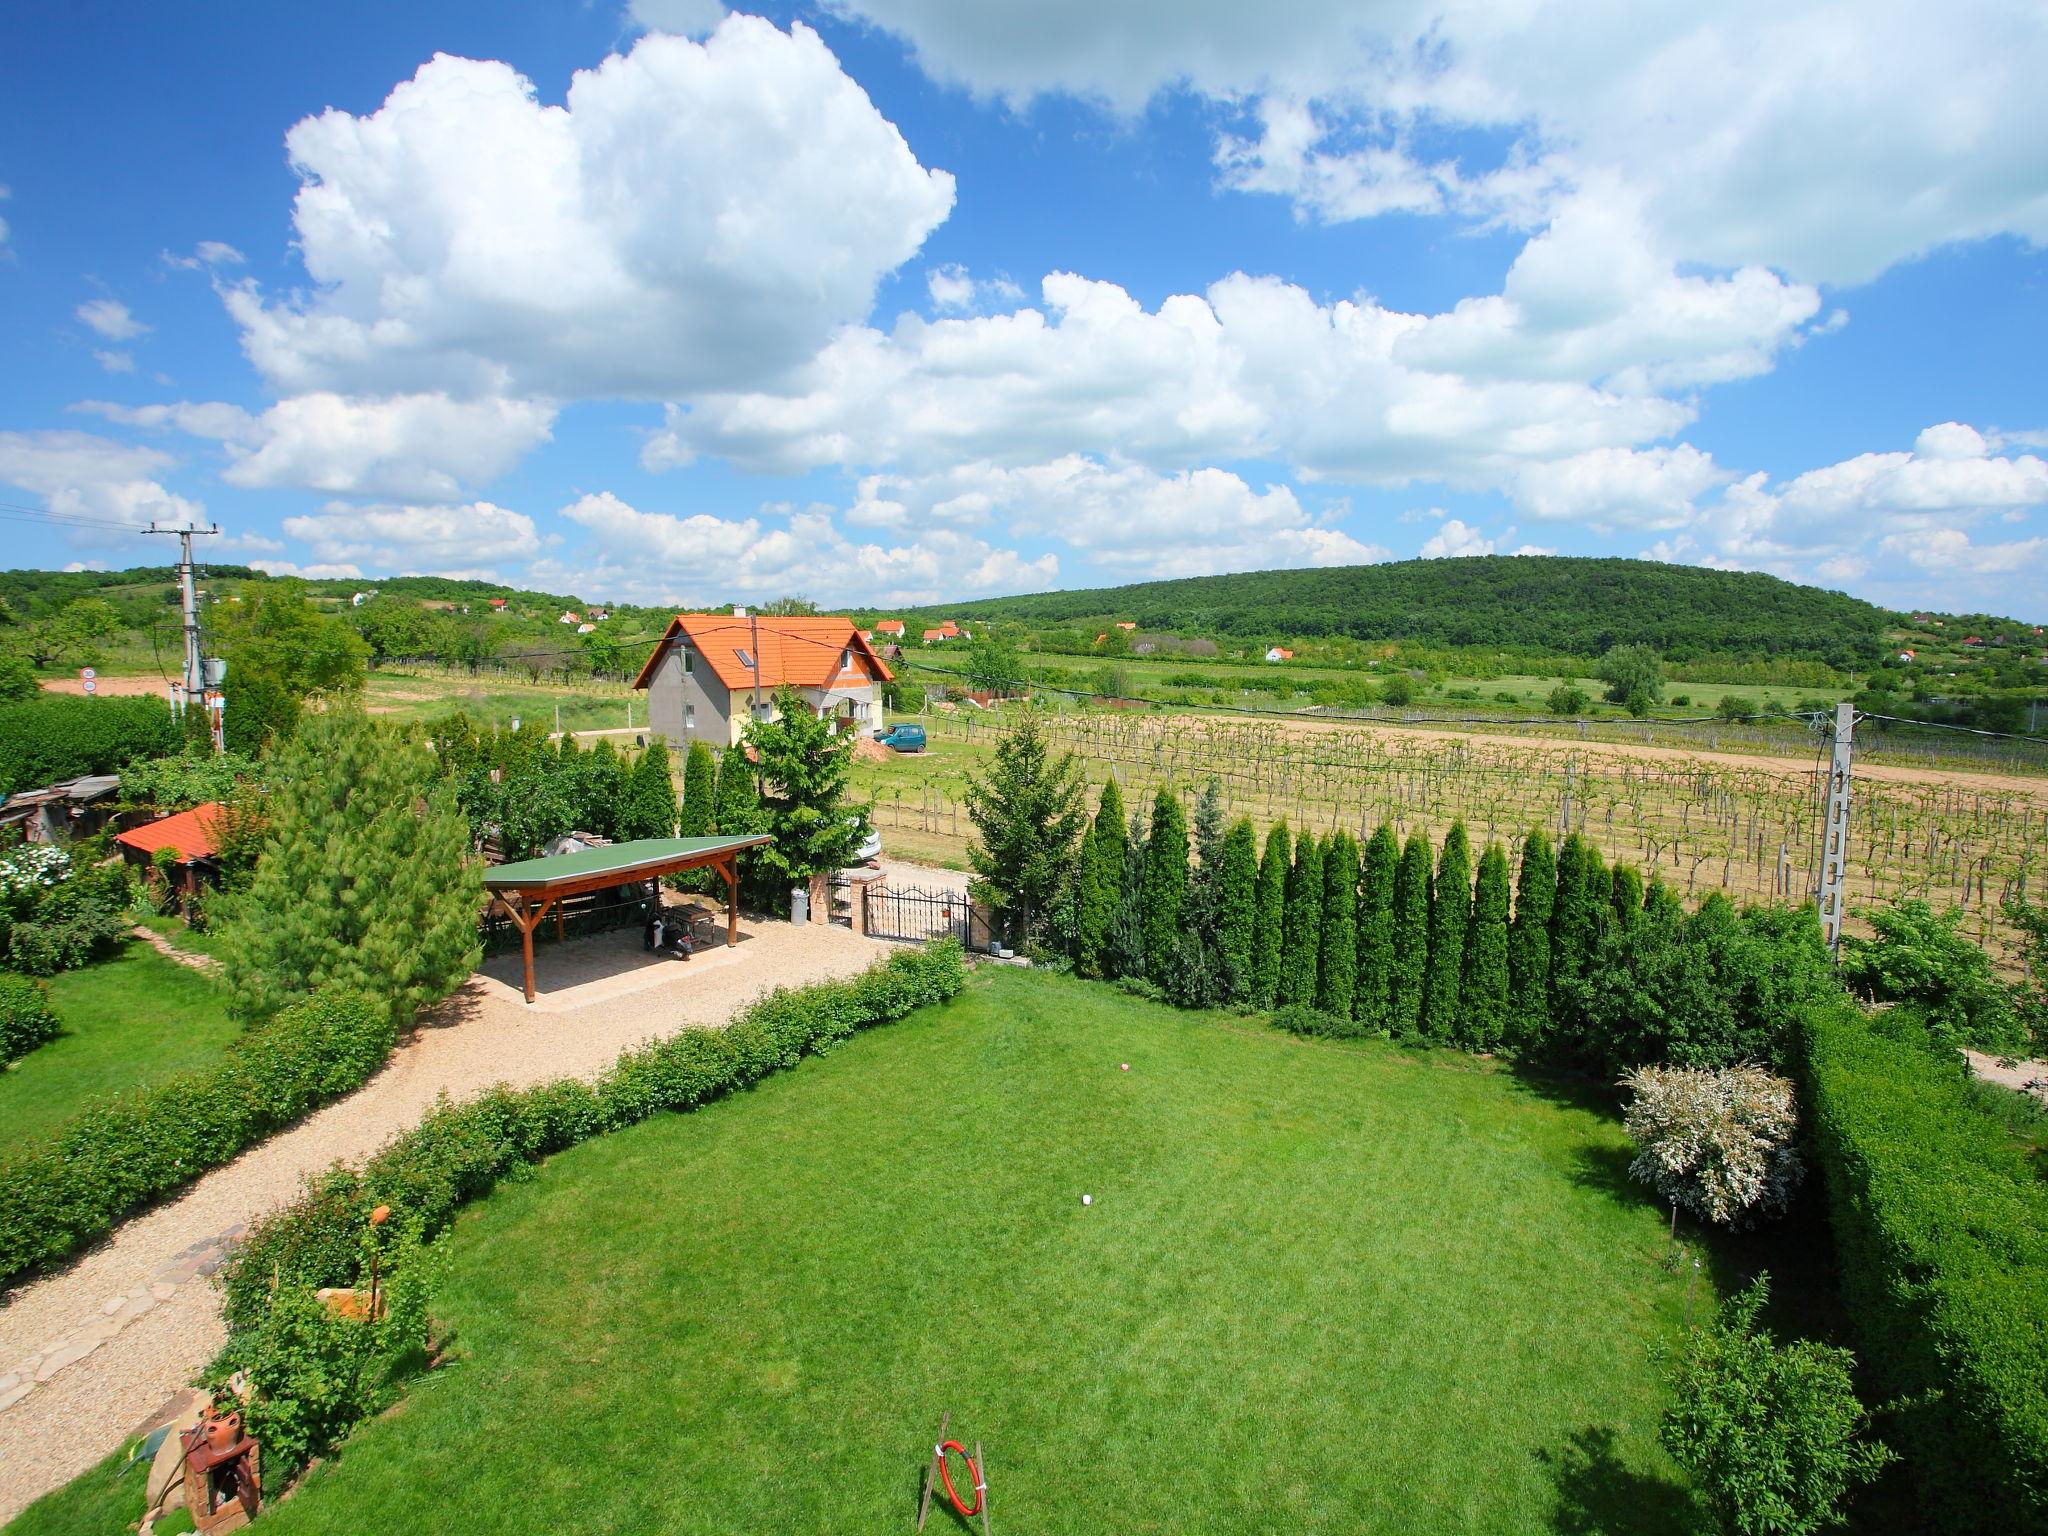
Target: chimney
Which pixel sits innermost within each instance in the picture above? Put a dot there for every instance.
(739, 610)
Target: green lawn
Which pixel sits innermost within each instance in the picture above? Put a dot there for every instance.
(127, 1021)
(1323, 1287)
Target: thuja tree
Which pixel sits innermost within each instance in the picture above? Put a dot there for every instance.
(1529, 943)
(1301, 931)
(1123, 950)
(365, 880)
(1166, 885)
(1574, 921)
(700, 791)
(1027, 815)
(1208, 826)
(803, 765)
(1624, 895)
(649, 809)
(1484, 991)
(1450, 913)
(737, 812)
(1101, 880)
(1237, 900)
(604, 776)
(1270, 920)
(1373, 984)
(1337, 960)
(1410, 938)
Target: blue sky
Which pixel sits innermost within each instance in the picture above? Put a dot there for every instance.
(898, 300)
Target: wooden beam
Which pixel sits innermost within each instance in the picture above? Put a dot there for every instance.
(728, 867)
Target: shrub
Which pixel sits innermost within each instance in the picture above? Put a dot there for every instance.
(118, 1154)
(1941, 1235)
(25, 1017)
(1306, 1019)
(1773, 1434)
(1566, 699)
(60, 736)
(1918, 956)
(56, 915)
(1717, 1141)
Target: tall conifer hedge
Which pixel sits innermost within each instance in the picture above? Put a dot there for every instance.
(1373, 983)
(1483, 994)
(1529, 943)
(1237, 907)
(1102, 878)
(1301, 935)
(1410, 936)
(1271, 919)
(1166, 885)
(1450, 914)
(1337, 960)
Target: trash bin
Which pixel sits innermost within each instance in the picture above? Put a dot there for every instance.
(799, 904)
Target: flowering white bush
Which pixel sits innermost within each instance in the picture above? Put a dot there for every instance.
(1716, 1141)
(30, 867)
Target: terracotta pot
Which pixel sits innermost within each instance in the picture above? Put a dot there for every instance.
(223, 1431)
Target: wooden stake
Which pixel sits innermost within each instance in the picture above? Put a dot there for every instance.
(981, 1470)
(931, 1471)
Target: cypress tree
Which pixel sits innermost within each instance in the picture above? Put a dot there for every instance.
(1270, 919)
(1583, 891)
(1237, 906)
(1484, 991)
(1208, 829)
(1410, 934)
(1529, 943)
(1450, 914)
(1337, 960)
(1102, 880)
(650, 805)
(1625, 895)
(700, 789)
(1123, 950)
(1166, 885)
(1372, 987)
(1301, 931)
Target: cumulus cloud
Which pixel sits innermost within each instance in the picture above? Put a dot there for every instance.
(316, 571)
(416, 540)
(694, 216)
(955, 290)
(1453, 540)
(685, 18)
(1828, 140)
(1651, 488)
(79, 474)
(1947, 551)
(110, 318)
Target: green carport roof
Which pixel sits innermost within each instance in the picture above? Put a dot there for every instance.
(623, 860)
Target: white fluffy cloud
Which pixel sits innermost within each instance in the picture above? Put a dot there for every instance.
(1653, 488)
(417, 540)
(1827, 139)
(660, 557)
(1454, 540)
(685, 18)
(82, 475)
(955, 290)
(110, 318)
(694, 216)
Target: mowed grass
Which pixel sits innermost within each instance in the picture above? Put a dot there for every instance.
(1322, 1287)
(128, 1022)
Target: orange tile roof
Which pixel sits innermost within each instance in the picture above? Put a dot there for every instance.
(801, 651)
(189, 834)
(889, 627)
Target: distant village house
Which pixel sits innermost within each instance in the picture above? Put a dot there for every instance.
(1279, 653)
(713, 672)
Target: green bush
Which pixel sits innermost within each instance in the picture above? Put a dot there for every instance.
(1303, 1019)
(1918, 956)
(60, 736)
(25, 1017)
(1941, 1233)
(120, 1153)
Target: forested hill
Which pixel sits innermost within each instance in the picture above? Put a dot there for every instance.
(1544, 602)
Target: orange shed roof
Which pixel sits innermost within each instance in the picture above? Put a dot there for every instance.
(189, 834)
(802, 651)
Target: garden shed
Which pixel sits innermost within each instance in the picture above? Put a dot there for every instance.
(183, 844)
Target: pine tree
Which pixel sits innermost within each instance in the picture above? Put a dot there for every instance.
(1237, 903)
(700, 790)
(1484, 990)
(1123, 951)
(649, 809)
(1410, 933)
(1529, 944)
(1270, 922)
(1166, 885)
(365, 879)
(1625, 895)
(1373, 984)
(1102, 879)
(1337, 959)
(1450, 914)
(1301, 934)
(1027, 814)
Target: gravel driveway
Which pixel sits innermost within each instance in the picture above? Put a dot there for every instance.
(97, 1350)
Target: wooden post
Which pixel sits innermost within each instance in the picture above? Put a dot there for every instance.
(931, 1469)
(729, 867)
(526, 948)
(981, 1471)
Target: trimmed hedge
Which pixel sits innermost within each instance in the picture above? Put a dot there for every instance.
(461, 1151)
(122, 1153)
(26, 1020)
(60, 736)
(1941, 1228)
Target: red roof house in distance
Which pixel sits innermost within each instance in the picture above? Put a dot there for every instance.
(891, 627)
(711, 673)
(189, 838)
(498, 603)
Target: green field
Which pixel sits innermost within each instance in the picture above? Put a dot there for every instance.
(498, 698)
(128, 1022)
(1322, 1287)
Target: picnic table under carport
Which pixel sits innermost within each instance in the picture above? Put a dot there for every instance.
(527, 889)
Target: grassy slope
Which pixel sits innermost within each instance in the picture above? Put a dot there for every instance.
(127, 1022)
(1323, 1287)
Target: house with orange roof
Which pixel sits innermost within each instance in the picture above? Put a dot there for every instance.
(893, 628)
(713, 673)
(187, 840)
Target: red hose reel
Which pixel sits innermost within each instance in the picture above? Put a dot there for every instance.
(974, 1474)
(939, 1474)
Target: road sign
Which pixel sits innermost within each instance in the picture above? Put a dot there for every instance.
(88, 677)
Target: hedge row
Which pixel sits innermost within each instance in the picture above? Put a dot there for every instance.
(1941, 1229)
(461, 1151)
(119, 1154)
(58, 736)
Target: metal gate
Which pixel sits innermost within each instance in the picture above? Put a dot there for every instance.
(915, 915)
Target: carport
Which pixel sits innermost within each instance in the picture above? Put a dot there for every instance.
(526, 890)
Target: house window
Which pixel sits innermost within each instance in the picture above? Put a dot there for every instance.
(689, 660)
(689, 717)
(846, 659)
(745, 660)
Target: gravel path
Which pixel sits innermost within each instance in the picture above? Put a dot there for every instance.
(95, 1351)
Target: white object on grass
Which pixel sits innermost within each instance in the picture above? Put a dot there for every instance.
(1087, 1199)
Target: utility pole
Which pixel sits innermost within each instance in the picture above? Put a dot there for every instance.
(1834, 846)
(196, 686)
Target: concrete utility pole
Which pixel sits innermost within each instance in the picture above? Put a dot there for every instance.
(196, 686)
(1834, 846)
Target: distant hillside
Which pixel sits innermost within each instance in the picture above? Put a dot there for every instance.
(1549, 603)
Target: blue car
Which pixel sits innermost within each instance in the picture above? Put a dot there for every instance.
(902, 737)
